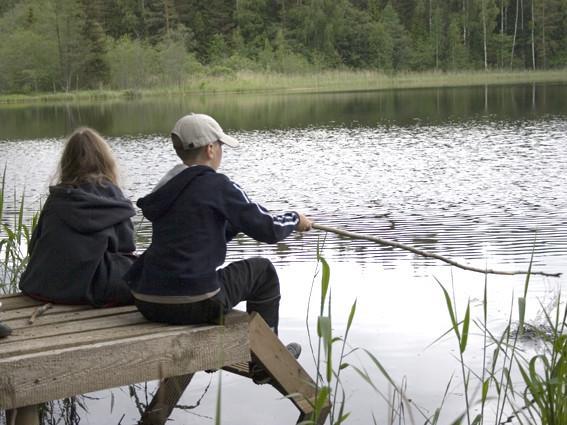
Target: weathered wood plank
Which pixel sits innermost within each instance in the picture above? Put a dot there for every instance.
(74, 327)
(15, 301)
(75, 316)
(26, 312)
(38, 345)
(8, 349)
(241, 368)
(48, 375)
(288, 374)
(168, 394)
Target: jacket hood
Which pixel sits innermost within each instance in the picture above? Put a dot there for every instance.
(159, 202)
(90, 208)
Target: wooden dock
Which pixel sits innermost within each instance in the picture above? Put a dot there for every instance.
(71, 350)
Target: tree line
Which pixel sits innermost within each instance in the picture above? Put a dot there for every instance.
(63, 45)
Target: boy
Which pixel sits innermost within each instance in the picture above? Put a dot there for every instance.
(194, 212)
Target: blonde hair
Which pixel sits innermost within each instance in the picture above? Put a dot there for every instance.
(86, 158)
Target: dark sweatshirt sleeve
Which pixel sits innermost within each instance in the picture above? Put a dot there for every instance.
(230, 231)
(253, 219)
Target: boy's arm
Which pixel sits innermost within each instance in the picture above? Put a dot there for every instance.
(230, 231)
(253, 219)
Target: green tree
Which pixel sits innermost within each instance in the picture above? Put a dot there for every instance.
(456, 51)
(316, 26)
(251, 17)
(174, 62)
(160, 19)
(238, 44)
(400, 41)
(95, 69)
(69, 19)
(381, 47)
(374, 9)
(352, 38)
(133, 64)
(218, 50)
(27, 62)
(422, 51)
(205, 18)
(266, 56)
(549, 32)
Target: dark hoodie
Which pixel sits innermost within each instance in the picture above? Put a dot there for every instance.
(193, 216)
(81, 247)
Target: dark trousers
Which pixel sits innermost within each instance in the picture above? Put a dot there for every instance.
(253, 280)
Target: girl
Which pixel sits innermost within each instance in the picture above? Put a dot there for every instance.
(84, 239)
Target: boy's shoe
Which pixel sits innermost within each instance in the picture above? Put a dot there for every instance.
(258, 372)
(294, 349)
(5, 330)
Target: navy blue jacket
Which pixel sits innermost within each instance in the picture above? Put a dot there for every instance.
(81, 247)
(193, 217)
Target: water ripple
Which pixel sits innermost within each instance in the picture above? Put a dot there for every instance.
(474, 190)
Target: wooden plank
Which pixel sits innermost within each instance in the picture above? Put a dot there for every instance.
(168, 394)
(289, 375)
(54, 374)
(77, 340)
(26, 312)
(241, 368)
(39, 344)
(63, 328)
(15, 301)
(74, 316)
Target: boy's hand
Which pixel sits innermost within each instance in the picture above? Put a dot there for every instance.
(304, 223)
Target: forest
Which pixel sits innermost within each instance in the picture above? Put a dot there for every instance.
(66, 45)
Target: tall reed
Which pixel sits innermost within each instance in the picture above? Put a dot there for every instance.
(330, 396)
(15, 236)
(545, 374)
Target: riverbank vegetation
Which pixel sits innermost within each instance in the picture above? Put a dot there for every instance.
(320, 82)
(64, 46)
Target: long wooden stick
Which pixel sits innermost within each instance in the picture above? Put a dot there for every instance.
(423, 253)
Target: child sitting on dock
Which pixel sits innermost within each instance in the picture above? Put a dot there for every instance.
(194, 212)
(84, 240)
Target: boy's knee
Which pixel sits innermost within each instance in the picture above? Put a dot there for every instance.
(264, 265)
(270, 270)
(266, 275)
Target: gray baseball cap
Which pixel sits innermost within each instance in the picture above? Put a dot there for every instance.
(196, 130)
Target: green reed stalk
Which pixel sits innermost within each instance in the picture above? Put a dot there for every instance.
(484, 380)
(342, 365)
(512, 350)
(329, 394)
(545, 375)
(14, 240)
(462, 338)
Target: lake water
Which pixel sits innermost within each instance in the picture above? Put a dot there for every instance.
(476, 174)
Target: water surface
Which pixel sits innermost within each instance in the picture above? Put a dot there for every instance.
(475, 174)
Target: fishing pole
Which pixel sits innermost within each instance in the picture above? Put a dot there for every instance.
(422, 253)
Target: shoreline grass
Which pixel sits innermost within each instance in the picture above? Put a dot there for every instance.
(249, 82)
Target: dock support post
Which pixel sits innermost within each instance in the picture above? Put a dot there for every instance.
(287, 374)
(25, 415)
(168, 394)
